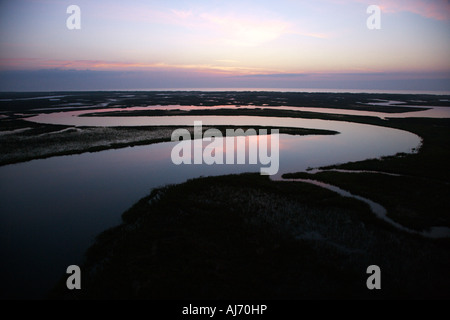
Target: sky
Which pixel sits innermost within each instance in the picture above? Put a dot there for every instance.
(159, 44)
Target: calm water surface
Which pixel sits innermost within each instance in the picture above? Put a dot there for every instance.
(52, 209)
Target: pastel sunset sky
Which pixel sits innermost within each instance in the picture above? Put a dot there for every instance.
(224, 44)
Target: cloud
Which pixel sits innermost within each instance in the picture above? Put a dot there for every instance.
(276, 75)
(245, 31)
(182, 14)
(311, 34)
(36, 64)
(249, 31)
(227, 61)
(225, 27)
(433, 9)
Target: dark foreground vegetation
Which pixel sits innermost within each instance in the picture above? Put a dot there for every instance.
(245, 236)
(419, 198)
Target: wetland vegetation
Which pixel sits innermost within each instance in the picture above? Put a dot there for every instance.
(246, 236)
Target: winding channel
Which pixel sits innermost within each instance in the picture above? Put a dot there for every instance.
(52, 209)
(389, 141)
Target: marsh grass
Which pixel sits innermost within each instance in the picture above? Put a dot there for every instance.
(41, 141)
(418, 198)
(244, 236)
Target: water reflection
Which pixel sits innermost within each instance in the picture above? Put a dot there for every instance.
(379, 210)
(431, 112)
(52, 209)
